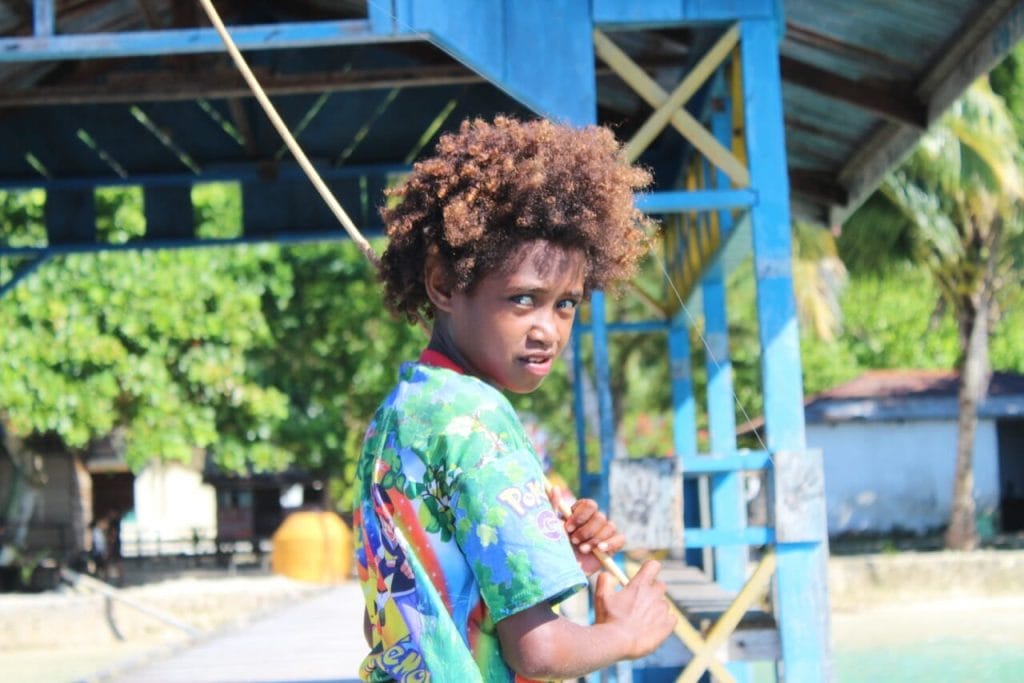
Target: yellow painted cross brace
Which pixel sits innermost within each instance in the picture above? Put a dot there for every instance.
(704, 658)
(669, 108)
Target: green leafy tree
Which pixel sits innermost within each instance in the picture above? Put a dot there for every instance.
(152, 346)
(335, 353)
(954, 207)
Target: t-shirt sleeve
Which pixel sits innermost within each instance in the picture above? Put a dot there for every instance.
(511, 537)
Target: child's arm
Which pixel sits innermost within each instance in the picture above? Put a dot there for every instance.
(631, 623)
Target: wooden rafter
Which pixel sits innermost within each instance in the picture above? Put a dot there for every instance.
(895, 102)
(818, 185)
(167, 86)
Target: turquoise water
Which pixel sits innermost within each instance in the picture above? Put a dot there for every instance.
(938, 661)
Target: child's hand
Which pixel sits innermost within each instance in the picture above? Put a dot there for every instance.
(640, 611)
(589, 529)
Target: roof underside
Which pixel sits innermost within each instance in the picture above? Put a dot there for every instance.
(861, 80)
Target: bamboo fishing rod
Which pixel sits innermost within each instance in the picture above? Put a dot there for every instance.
(683, 629)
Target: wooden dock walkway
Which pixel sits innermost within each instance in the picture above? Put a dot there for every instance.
(318, 640)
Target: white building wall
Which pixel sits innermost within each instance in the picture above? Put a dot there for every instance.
(884, 476)
(171, 501)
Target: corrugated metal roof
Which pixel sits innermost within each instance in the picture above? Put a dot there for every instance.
(906, 394)
(861, 79)
(915, 383)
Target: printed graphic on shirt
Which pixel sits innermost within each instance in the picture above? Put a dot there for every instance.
(453, 530)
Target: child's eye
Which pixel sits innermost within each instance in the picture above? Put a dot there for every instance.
(521, 299)
(568, 304)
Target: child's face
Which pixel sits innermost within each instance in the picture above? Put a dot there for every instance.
(515, 322)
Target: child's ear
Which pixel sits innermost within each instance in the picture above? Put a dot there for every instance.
(435, 279)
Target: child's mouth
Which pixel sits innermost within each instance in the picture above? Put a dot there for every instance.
(538, 365)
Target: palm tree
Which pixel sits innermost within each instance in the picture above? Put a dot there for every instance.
(952, 206)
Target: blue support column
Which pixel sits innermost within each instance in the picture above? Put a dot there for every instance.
(684, 422)
(602, 378)
(684, 410)
(169, 212)
(727, 505)
(70, 216)
(727, 501)
(589, 482)
(802, 593)
(43, 18)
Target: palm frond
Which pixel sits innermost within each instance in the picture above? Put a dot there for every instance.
(984, 126)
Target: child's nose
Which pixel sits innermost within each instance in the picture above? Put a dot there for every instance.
(544, 328)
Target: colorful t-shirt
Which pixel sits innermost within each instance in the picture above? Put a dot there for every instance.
(454, 531)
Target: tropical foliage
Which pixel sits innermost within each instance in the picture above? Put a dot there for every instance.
(269, 356)
(954, 208)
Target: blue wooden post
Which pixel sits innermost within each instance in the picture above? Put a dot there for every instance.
(44, 18)
(70, 216)
(579, 412)
(684, 422)
(802, 595)
(684, 410)
(602, 380)
(727, 502)
(169, 212)
(727, 509)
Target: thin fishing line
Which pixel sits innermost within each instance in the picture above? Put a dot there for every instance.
(703, 340)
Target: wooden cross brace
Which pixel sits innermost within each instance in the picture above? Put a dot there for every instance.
(704, 650)
(668, 108)
(704, 656)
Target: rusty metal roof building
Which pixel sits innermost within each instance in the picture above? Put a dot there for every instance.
(913, 394)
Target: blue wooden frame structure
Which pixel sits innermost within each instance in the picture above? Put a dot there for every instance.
(542, 55)
(554, 75)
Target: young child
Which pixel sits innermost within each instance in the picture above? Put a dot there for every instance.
(497, 239)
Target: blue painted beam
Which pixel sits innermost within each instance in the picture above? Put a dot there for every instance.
(540, 53)
(752, 535)
(678, 201)
(22, 273)
(285, 170)
(735, 462)
(369, 232)
(651, 13)
(195, 40)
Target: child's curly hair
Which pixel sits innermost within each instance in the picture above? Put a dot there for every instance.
(493, 186)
